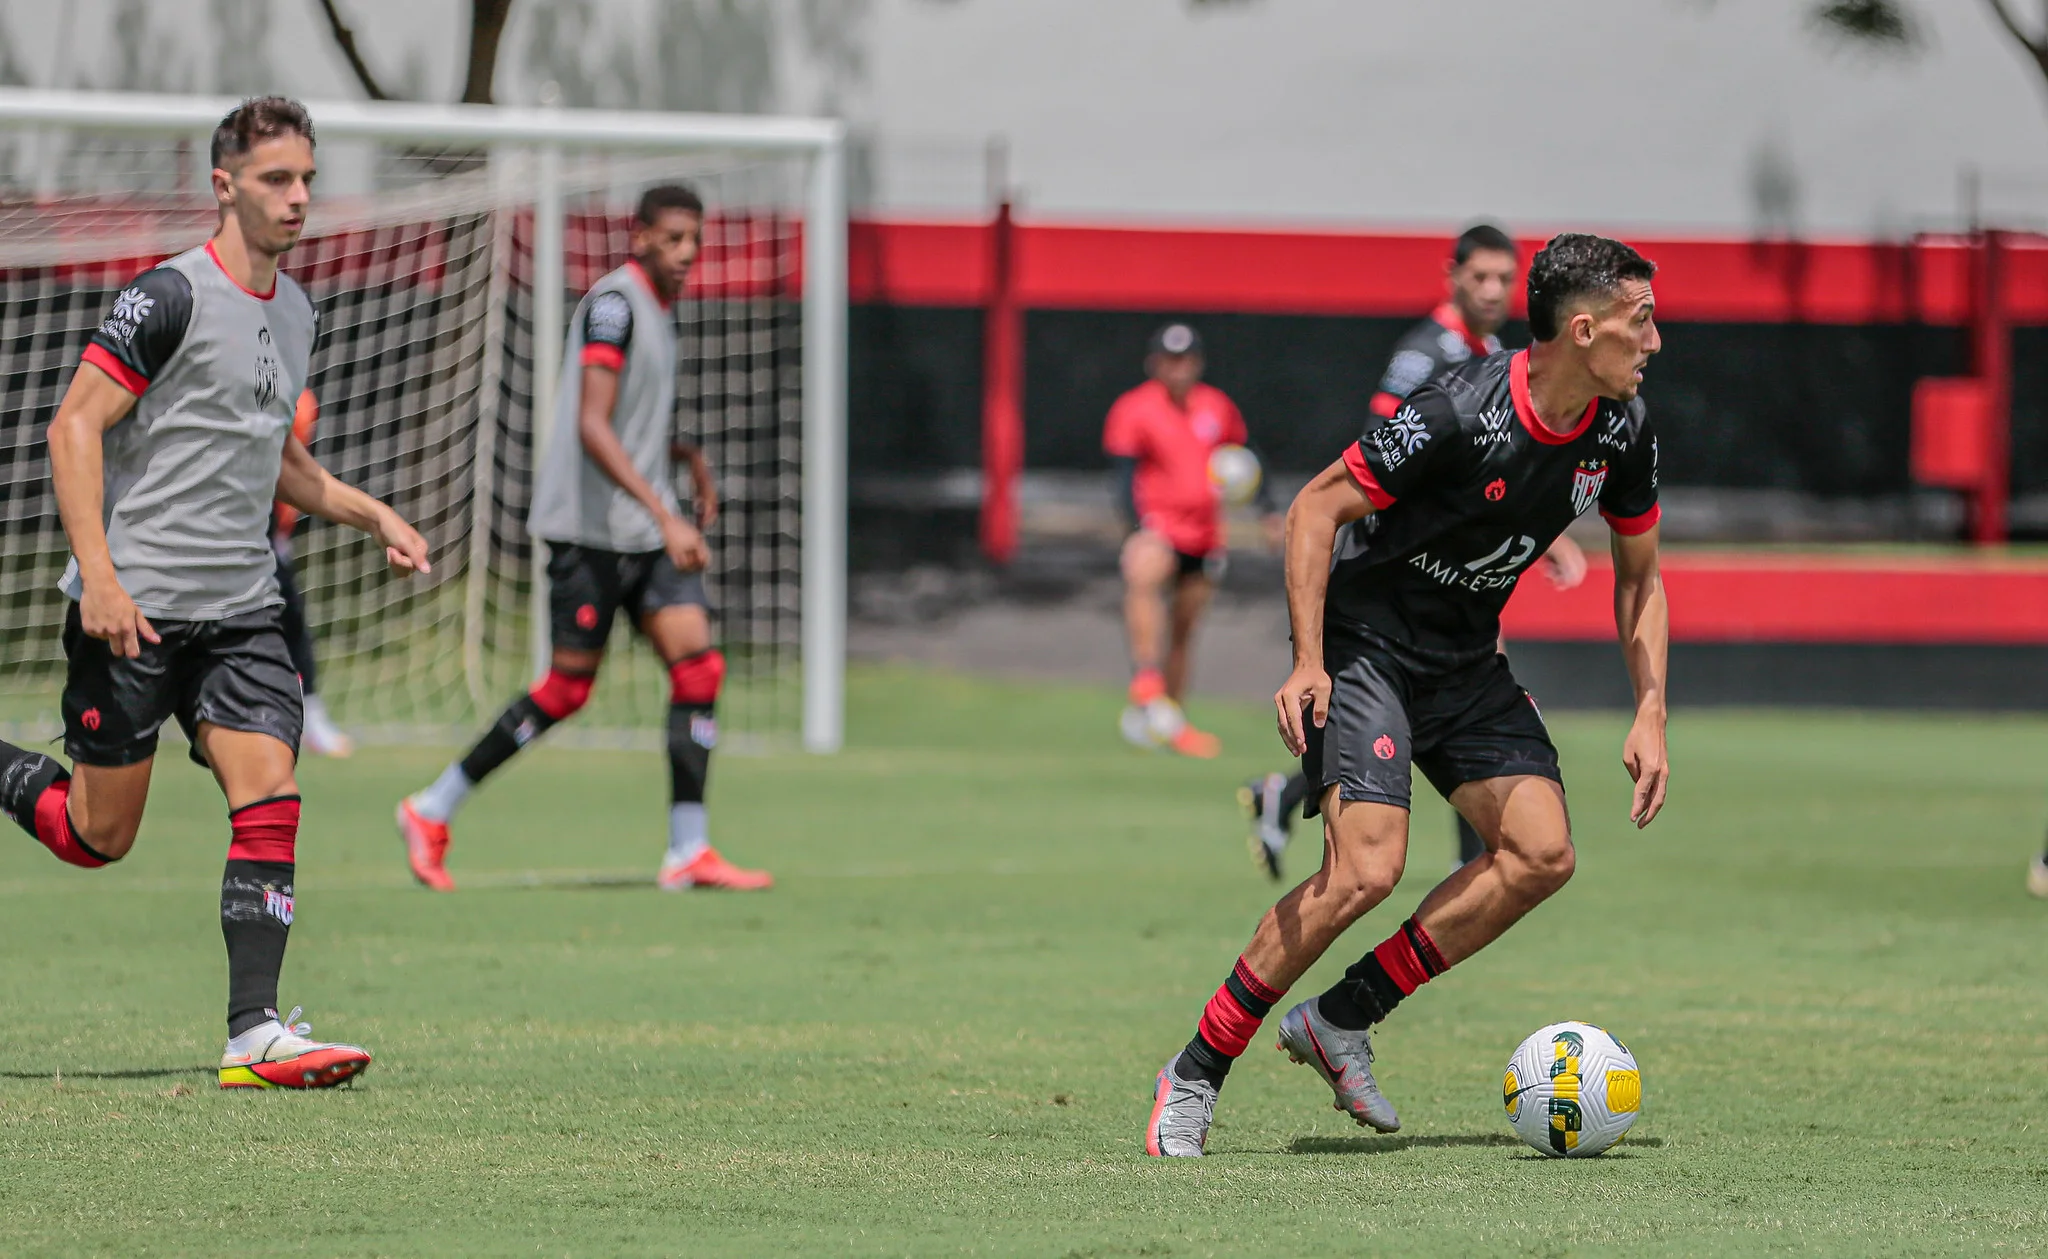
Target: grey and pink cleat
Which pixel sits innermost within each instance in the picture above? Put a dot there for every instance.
(1344, 1060)
(1181, 1111)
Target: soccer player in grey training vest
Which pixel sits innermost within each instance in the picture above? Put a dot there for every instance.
(167, 450)
(604, 501)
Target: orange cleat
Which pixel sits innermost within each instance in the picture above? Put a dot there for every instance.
(1199, 744)
(426, 847)
(708, 869)
(280, 1054)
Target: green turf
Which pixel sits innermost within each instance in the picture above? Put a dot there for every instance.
(937, 1035)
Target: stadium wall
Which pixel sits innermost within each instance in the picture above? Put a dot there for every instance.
(1788, 364)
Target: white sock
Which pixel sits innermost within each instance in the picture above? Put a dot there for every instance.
(688, 834)
(439, 801)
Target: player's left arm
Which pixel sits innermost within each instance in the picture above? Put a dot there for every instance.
(1642, 618)
(703, 486)
(304, 484)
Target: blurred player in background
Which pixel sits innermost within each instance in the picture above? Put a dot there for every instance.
(1159, 438)
(1481, 275)
(171, 443)
(322, 737)
(604, 501)
(1431, 517)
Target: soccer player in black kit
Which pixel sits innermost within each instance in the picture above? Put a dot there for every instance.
(1477, 281)
(1400, 557)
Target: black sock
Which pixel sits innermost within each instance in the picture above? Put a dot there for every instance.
(1470, 846)
(692, 733)
(520, 724)
(24, 776)
(255, 920)
(1362, 998)
(1202, 1061)
(1291, 797)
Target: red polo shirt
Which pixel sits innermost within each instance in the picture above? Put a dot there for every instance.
(1176, 498)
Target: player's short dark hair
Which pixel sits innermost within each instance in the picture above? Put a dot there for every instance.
(255, 120)
(662, 198)
(1481, 236)
(1576, 265)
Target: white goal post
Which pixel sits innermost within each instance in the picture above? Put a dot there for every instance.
(469, 231)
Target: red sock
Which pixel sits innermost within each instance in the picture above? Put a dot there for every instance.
(1409, 957)
(54, 828)
(1146, 686)
(267, 830)
(1232, 1017)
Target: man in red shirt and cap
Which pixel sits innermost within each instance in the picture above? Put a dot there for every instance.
(1159, 438)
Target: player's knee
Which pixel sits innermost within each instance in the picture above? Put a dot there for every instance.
(560, 694)
(697, 679)
(1540, 870)
(1147, 561)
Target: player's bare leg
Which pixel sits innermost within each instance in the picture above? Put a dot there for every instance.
(696, 671)
(1365, 846)
(423, 817)
(1147, 563)
(1191, 597)
(106, 805)
(1529, 857)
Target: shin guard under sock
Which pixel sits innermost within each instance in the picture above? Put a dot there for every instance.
(35, 792)
(256, 906)
(525, 719)
(1375, 984)
(1229, 1022)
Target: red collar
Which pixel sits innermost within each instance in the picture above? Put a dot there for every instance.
(1449, 318)
(1525, 410)
(261, 297)
(640, 273)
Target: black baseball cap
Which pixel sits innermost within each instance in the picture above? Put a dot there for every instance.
(1175, 338)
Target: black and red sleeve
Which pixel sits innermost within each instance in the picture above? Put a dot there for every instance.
(143, 330)
(1401, 451)
(607, 330)
(1629, 499)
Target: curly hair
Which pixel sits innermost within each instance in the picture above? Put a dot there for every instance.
(1576, 265)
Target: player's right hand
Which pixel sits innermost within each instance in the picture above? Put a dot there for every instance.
(105, 611)
(685, 545)
(1305, 688)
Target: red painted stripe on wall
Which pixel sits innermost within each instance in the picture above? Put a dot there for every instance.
(1095, 267)
(1720, 598)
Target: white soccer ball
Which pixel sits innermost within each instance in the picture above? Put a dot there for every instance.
(1572, 1090)
(1235, 472)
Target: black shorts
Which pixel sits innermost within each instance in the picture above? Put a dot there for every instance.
(236, 673)
(587, 587)
(1209, 564)
(1457, 724)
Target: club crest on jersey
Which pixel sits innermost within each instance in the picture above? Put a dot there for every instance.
(1587, 479)
(266, 370)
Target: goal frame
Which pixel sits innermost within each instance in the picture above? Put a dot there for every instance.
(548, 131)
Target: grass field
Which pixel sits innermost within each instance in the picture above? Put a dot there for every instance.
(937, 1035)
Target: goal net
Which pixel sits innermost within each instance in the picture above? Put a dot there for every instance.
(442, 296)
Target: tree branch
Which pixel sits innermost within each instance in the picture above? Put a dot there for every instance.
(345, 39)
(486, 28)
(2038, 48)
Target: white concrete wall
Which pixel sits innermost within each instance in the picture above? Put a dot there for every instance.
(1709, 115)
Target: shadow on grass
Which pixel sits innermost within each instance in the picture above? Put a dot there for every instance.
(559, 881)
(136, 1073)
(1391, 1145)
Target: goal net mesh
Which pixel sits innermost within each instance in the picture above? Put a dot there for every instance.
(425, 374)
